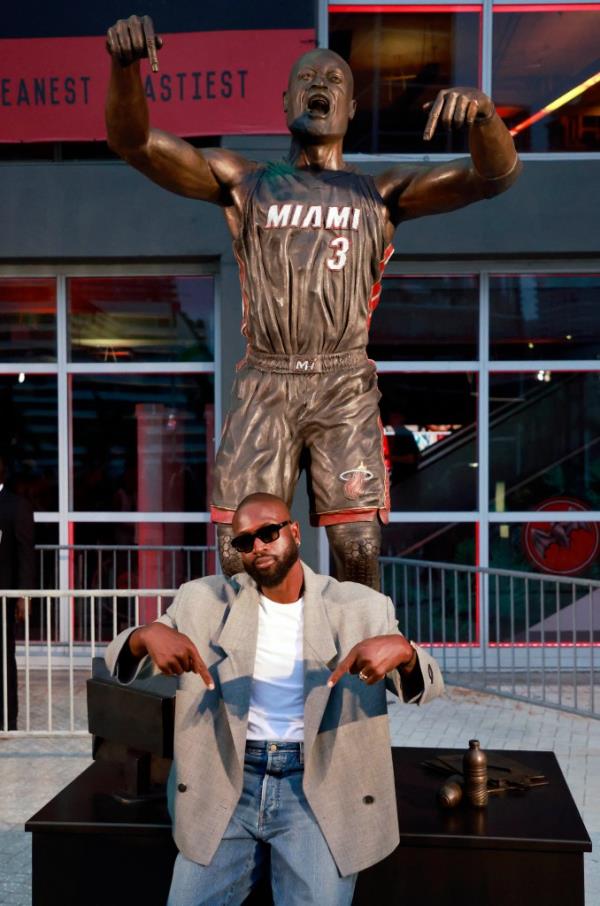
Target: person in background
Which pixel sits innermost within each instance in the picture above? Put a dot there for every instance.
(17, 571)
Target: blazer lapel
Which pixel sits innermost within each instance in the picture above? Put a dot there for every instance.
(320, 655)
(237, 639)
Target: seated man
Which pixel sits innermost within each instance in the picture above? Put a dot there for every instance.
(281, 729)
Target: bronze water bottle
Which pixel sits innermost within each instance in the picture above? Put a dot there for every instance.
(475, 774)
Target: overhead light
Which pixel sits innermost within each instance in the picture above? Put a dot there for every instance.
(531, 345)
(569, 336)
(543, 375)
(21, 377)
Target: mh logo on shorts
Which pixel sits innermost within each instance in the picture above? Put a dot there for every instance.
(306, 364)
(355, 480)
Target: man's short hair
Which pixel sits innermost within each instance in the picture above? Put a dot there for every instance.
(261, 497)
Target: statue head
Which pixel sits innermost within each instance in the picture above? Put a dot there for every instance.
(319, 101)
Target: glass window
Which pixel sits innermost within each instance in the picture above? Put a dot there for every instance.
(143, 442)
(450, 542)
(27, 320)
(551, 316)
(546, 76)
(549, 612)
(47, 555)
(430, 440)
(426, 318)
(544, 433)
(400, 60)
(141, 319)
(431, 608)
(29, 437)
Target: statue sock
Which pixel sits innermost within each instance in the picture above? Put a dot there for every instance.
(355, 547)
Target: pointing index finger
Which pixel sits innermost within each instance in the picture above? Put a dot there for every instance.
(201, 669)
(434, 115)
(343, 667)
(150, 38)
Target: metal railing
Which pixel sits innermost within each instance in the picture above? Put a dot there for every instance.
(124, 565)
(52, 668)
(528, 636)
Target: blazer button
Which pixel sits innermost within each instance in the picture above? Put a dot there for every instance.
(181, 787)
(368, 799)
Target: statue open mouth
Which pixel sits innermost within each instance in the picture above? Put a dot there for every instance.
(318, 105)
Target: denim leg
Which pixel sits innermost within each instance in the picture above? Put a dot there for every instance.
(303, 871)
(227, 881)
(272, 814)
(237, 864)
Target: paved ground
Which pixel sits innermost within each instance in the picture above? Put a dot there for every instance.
(33, 769)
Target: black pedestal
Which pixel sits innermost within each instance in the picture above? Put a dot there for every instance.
(524, 849)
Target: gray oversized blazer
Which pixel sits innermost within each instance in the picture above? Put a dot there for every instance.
(348, 777)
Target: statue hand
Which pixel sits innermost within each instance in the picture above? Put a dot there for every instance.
(133, 39)
(457, 107)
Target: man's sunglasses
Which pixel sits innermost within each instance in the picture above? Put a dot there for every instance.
(244, 543)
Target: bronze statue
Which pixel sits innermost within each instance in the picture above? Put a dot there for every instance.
(312, 236)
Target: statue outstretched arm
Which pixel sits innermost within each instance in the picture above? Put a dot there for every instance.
(414, 191)
(166, 159)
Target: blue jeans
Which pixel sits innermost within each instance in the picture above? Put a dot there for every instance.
(272, 818)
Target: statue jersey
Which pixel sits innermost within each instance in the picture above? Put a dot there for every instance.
(311, 253)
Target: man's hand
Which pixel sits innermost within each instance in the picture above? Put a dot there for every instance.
(23, 607)
(374, 657)
(173, 652)
(456, 108)
(134, 39)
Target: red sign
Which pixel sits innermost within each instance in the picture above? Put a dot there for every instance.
(565, 548)
(210, 83)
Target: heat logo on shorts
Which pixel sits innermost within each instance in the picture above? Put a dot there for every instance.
(355, 481)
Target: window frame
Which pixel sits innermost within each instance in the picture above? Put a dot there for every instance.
(65, 516)
(327, 7)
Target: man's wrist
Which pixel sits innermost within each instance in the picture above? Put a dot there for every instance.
(408, 666)
(136, 644)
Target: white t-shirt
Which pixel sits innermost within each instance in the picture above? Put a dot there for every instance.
(277, 698)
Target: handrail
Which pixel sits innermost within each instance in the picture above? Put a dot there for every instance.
(87, 592)
(125, 547)
(491, 571)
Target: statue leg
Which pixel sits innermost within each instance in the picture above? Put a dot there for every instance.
(231, 561)
(355, 547)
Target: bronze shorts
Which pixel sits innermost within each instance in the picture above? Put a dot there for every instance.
(327, 422)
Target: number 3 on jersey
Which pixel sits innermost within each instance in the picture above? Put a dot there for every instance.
(340, 246)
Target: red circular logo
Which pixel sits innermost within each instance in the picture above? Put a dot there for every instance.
(565, 548)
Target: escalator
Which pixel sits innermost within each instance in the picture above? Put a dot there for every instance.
(543, 440)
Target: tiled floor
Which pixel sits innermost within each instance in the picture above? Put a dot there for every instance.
(33, 769)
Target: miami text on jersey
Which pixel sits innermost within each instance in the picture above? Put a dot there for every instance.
(313, 216)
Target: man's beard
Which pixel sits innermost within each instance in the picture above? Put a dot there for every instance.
(277, 571)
